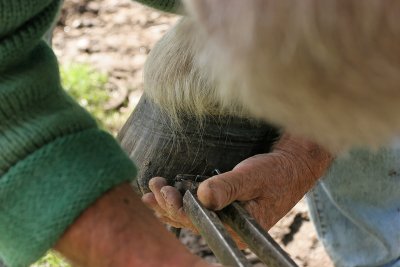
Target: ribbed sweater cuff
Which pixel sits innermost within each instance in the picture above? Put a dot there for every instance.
(46, 191)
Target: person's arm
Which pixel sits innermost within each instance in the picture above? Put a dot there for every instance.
(268, 184)
(55, 162)
(119, 231)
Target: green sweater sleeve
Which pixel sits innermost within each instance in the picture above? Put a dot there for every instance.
(54, 161)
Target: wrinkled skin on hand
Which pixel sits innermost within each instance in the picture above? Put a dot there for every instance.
(269, 185)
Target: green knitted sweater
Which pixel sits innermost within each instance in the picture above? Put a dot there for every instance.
(54, 160)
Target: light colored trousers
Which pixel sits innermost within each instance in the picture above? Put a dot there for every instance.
(356, 208)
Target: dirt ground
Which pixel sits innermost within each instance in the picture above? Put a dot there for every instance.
(114, 36)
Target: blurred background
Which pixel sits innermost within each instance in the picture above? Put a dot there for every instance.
(101, 47)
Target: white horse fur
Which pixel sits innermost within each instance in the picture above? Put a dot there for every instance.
(325, 69)
(173, 79)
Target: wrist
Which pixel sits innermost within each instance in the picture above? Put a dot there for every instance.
(117, 230)
(90, 233)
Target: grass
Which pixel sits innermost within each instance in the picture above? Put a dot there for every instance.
(88, 87)
(51, 259)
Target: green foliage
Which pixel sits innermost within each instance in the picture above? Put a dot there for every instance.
(52, 259)
(88, 87)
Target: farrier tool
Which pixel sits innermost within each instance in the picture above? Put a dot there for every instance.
(210, 226)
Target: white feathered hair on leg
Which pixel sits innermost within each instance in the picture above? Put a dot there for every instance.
(176, 83)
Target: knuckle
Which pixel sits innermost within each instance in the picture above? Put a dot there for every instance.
(148, 197)
(180, 213)
(231, 189)
(210, 194)
(220, 191)
(157, 182)
(164, 193)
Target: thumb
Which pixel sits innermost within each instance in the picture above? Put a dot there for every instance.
(219, 191)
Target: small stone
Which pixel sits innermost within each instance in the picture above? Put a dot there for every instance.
(83, 44)
(93, 6)
(77, 23)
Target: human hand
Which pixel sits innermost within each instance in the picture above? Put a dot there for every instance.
(269, 185)
(119, 231)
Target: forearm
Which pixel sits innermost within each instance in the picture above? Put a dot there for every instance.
(125, 233)
(51, 164)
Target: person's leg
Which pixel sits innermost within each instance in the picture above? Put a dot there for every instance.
(356, 209)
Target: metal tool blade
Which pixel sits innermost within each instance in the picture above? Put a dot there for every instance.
(258, 240)
(213, 231)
